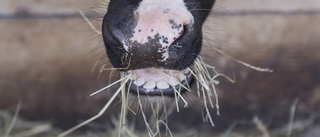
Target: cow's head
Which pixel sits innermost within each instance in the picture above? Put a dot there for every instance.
(155, 40)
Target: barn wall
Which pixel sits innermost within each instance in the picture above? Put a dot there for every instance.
(46, 57)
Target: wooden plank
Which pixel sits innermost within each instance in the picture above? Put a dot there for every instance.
(261, 39)
(48, 7)
(267, 5)
(264, 31)
(41, 58)
(45, 44)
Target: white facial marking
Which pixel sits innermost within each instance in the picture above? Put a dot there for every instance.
(162, 18)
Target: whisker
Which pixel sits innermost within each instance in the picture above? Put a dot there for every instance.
(89, 23)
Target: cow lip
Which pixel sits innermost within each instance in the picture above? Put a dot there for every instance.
(159, 82)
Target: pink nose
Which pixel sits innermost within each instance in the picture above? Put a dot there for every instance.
(159, 24)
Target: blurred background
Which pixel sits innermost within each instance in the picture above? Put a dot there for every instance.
(48, 55)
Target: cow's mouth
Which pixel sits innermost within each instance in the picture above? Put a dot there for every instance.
(159, 82)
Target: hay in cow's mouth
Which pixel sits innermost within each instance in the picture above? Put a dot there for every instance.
(159, 82)
(199, 71)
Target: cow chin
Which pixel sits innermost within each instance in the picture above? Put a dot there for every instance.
(154, 43)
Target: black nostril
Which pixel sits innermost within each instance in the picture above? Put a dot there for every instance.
(176, 49)
(185, 29)
(178, 41)
(181, 35)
